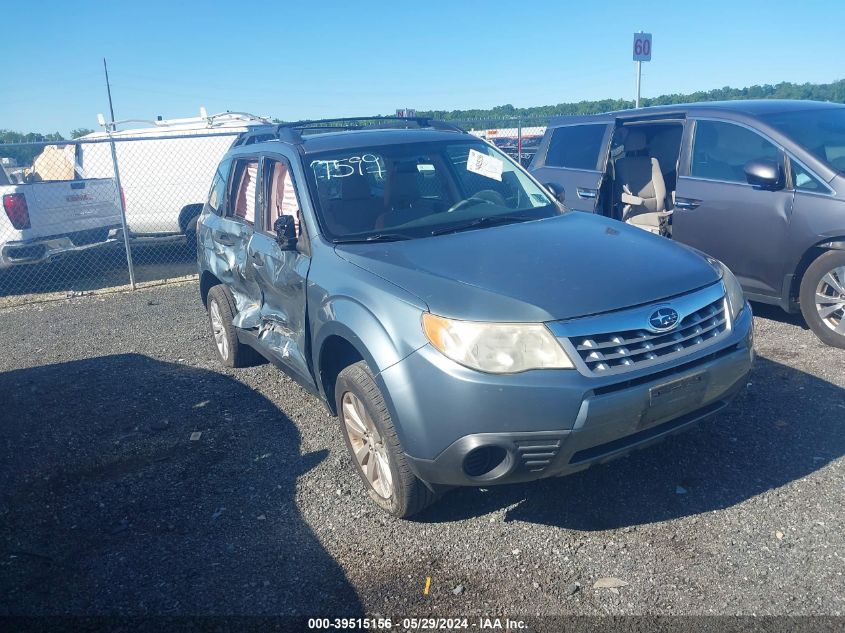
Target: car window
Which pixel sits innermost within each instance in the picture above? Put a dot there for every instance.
(420, 189)
(242, 193)
(721, 150)
(218, 186)
(576, 147)
(821, 131)
(803, 180)
(281, 198)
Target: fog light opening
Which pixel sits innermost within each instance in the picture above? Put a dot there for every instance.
(484, 460)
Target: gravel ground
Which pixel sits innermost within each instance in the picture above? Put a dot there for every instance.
(111, 506)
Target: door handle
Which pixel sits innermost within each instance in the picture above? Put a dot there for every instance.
(257, 258)
(584, 193)
(226, 239)
(686, 204)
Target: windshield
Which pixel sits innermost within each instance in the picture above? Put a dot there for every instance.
(820, 132)
(421, 189)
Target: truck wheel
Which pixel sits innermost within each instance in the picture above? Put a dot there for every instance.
(191, 235)
(221, 311)
(822, 298)
(374, 447)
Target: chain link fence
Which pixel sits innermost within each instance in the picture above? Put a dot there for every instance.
(101, 212)
(115, 211)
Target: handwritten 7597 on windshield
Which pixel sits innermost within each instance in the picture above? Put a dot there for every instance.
(345, 167)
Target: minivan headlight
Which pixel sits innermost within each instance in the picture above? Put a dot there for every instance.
(497, 348)
(736, 298)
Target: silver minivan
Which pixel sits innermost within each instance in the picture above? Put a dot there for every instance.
(759, 185)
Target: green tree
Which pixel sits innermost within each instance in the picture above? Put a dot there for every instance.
(80, 131)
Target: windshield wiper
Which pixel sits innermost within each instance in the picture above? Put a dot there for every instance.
(489, 220)
(378, 237)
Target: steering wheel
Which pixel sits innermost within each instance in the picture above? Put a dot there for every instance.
(466, 202)
(485, 196)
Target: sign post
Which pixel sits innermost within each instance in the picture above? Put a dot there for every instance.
(642, 53)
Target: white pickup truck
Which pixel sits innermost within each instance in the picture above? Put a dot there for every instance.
(49, 214)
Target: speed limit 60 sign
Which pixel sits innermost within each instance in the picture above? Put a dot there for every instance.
(642, 47)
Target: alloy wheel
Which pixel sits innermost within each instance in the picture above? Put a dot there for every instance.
(218, 329)
(367, 445)
(830, 299)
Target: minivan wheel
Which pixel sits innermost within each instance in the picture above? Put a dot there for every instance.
(374, 446)
(221, 311)
(822, 298)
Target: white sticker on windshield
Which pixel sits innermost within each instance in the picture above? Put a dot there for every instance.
(488, 166)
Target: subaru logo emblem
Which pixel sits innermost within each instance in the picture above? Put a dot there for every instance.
(663, 319)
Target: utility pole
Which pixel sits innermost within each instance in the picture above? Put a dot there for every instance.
(108, 90)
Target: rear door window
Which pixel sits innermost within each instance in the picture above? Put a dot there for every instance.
(577, 147)
(720, 150)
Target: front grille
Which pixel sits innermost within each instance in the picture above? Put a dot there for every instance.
(536, 454)
(627, 350)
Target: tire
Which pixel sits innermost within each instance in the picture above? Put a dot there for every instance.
(191, 235)
(826, 316)
(400, 493)
(224, 338)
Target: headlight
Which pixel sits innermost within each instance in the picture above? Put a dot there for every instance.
(497, 348)
(736, 298)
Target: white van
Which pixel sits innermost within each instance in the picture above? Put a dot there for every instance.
(166, 167)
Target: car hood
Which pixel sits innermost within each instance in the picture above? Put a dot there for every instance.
(563, 267)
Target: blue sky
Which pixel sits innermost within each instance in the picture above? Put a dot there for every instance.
(332, 58)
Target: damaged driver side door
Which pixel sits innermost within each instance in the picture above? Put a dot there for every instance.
(280, 266)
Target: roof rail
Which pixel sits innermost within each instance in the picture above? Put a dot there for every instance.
(292, 132)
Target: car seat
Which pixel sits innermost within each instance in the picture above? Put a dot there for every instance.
(356, 209)
(643, 191)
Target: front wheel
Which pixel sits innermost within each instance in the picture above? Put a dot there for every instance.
(822, 298)
(374, 446)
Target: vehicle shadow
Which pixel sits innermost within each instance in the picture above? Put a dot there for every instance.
(130, 486)
(776, 313)
(786, 425)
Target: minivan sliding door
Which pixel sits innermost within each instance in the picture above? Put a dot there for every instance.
(574, 158)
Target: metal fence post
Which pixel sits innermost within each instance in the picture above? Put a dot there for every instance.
(519, 140)
(122, 212)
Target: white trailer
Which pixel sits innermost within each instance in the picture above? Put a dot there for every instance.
(166, 167)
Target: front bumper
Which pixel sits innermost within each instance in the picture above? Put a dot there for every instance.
(45, 249)
(553, 422)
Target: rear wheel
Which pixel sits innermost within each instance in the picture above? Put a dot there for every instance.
(822, 298)
(374, 446)
(221, 311)
(191, 234)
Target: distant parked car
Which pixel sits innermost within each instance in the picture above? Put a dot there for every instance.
(50, 210)
(760, 185)
(166, 167)
(464, 327)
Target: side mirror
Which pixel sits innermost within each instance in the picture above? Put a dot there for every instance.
(556, 190)
(285, 229)
(764, 173)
